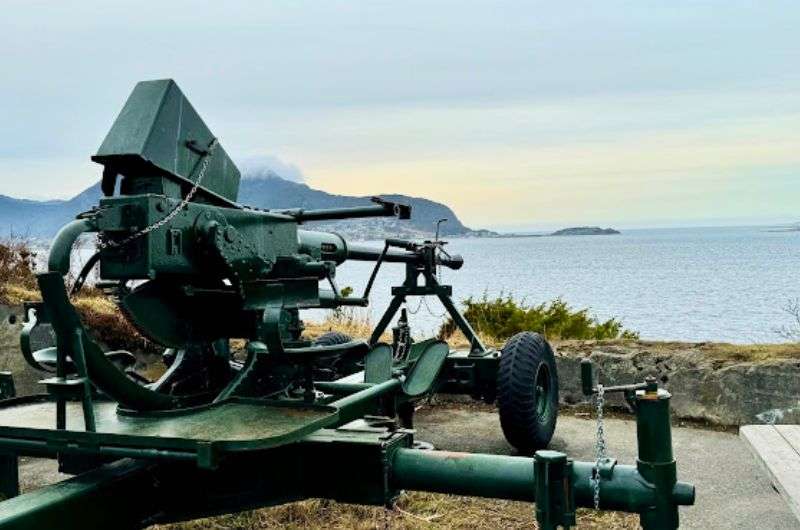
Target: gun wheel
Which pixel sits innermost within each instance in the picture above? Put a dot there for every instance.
(527, 392)
(332, 338)
(336, 367)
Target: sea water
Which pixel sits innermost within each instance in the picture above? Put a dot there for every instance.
(689, 284)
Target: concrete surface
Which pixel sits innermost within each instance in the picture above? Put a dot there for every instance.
(733, 492)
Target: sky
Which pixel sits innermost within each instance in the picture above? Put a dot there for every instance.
(519, 115)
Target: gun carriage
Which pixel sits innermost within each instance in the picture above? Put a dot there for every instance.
(192, 269)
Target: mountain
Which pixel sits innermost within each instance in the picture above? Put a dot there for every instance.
(42, 219)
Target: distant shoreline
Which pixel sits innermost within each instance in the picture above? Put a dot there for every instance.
(572, 231)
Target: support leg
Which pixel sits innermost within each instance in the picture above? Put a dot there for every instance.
(405, 412)
(395, 304)
(79, 358)
(476, 346)
(9, 476)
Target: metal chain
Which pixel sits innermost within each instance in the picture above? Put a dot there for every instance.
(430, 311)
(419, 306)
(599, 445)
(107, 243)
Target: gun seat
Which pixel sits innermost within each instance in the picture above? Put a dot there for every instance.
(46, 359)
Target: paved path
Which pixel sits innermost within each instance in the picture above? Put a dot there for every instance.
(732, 491)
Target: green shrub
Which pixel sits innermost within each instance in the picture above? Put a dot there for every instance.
(502, 317)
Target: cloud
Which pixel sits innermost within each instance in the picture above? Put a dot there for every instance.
(266, 166)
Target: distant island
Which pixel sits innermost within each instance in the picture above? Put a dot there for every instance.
(585, 231)
(789, 228)
(572, 231)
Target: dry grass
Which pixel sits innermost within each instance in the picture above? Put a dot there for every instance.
(718, 352)
(414, 511)
(108, 325)
(99, 313)
(352, 321)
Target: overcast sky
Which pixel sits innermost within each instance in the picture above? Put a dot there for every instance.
(526, 114)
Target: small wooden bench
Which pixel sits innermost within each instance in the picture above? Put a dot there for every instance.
(777, 449)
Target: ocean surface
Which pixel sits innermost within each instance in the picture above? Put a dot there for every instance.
(690, 284)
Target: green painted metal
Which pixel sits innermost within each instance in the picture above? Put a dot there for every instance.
(234, 425)
(192, 269)
(425, 370)
(98, 499)
(61, 248)
(7, 388)
(555, 497)
(9, 476)
(649, 488)
(130, 494)
(144, 136)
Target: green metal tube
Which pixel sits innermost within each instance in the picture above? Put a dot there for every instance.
(103, 374)
(513, 478)
(479, 475)
(40, 448)
(103, 498)
(356, 405)
(60, 251)
(341, 389)
(656, 463)
(330, 214)
(330, 246)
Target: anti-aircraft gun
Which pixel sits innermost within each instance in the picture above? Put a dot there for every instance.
(193, 269)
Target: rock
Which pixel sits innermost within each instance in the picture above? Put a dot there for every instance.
(725, 393)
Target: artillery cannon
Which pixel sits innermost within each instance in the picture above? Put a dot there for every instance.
(192, 269)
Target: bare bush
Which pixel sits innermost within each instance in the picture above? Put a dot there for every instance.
(791, 332)
(17, 262)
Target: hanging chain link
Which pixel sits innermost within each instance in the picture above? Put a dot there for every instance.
(107, 243)
(599, 445)
(419, 306)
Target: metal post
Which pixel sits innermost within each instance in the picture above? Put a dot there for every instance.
(395, 304)
(9, 475)
(656, 463)
(79, 359)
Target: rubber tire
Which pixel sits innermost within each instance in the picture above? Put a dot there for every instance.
(521, 360)
(333, 368)
(332, 338)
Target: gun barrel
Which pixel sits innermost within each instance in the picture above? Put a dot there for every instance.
(365, 253)
(333, 247)
(381, 208)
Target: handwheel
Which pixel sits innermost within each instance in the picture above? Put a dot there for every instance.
(527, 392)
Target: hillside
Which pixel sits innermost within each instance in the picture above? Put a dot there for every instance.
(42, 219)
(585, 231)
